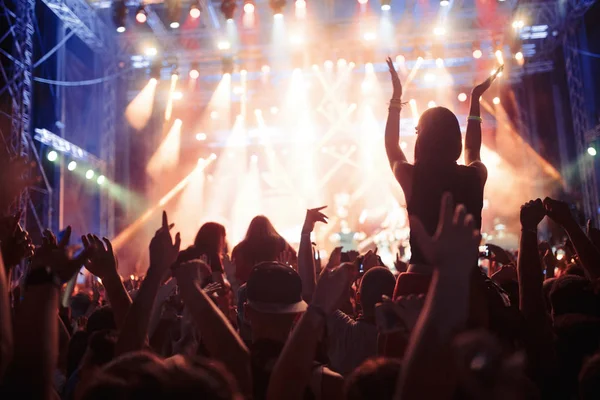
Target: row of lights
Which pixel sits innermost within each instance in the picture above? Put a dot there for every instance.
(72, 166)
(141, 15)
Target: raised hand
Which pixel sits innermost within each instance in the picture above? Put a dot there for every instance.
(163, 250)
(397, 94)
(332, 285)
(480, 89)
(454, 244)
(102, 261)
(15, 243)
(286, 257)
(532, 213)
(335, 258)
(313, 216)
(558, 211)
(55, 255)
(370, 260)
(400, 265)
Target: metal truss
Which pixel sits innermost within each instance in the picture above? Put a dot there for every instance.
(78, 16)
(108, 149)
(581, 123)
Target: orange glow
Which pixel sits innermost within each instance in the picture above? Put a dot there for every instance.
(139, 111)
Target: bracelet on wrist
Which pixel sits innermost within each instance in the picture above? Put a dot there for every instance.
(475, 118)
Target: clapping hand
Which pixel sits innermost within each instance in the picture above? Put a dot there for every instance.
(453, 247)
(163, 250)
(480, 89)
(558, 211)
(54, 254)
(313, 216)
(397, 94)
(15, 242)
(102, 260)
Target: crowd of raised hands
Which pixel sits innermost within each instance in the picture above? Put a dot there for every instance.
(270, 322)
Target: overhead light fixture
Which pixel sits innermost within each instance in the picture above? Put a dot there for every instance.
(150, 51)
(386, 5)
(228, 9)
(174, 25)
(195, 9)
(277, 7)
(119, 15)
(194, 71)
(439, 31)
(200, 137)
(52, 156)
(444, 3)
(72, 165)
(89, 174)
(224, 45)
(249, 6)
(462, 97)
(363, 1)
(591, 151)
(101, 179)
(300, 4)
(496, 100)
(141, 15)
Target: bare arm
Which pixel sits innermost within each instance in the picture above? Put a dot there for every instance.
(454, 250)
(163, 253)
(473, 135)
(392, 127)
(6, 333)
(222, 341)
(292, 371)
(306, 263)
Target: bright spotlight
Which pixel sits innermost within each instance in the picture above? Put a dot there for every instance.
(72, 165)
(52, 156)
(195, 10)
(177, 95)
(174, 25)
(194, 73)
(101, 179)
(300, 4)
(140, 15)
(296, 39)
(496, 100)
(369, 36)
(328, 64)
(444, 3)
(120, 29)
(518, 24)
(274, 110)
(265, 69)
(278, 16)
(224, 45)
(439, 62)
(519, 56)
(386, 5)
(254, 158)
(462, 97)
(499, 56)
(403, 145)
(591, 151)
(228, 9)
(363, 1)
(477, 53)
(151, 51)
(429, 77)
(431, 104)
(200, 137)
(249, 6)
(214, 115)
(89, 174)
(439, 31)
(412, 102)
(119, 15)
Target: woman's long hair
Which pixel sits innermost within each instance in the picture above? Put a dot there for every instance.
(210, 238)
(439, 140)
(262, 243)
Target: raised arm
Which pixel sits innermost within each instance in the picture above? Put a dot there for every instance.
(538, 336)
(292, 371)
(473, 135)
(428, 369)
(163, 253)
(588, 254)
(392, 127)
(103, 264)
(221, 340)
(306, 262)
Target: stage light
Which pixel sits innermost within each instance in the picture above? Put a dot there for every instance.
(341, 62)
(431, 104)
(224, 45)
(444, 3)
(494, 71)
(296, 39)
(439, 31)
(277, 7)
(439, 62)
(519, 56)
(328, 64)
(363, 1)
(174, 25)
(496, 100)
(300, 4)
(265, 69)
(238, 90)
(177, 95)
(477, 53)
(140, 15)
(429, 77)
(214, 115)
(119, 15)
(150, 51)
(499, 56)
(369, 36)
(591, 151)
(462, 97)
(195, 9)
(274, 110)
(101, 179)
(386, 5)
(52, 156)
(249, 6)
(194, 73)
(228, 9)
(412, 102)
(72, 165)
(200, 137)
(89, 174)
(518, 24)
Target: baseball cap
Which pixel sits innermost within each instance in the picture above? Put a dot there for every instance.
(275, 288)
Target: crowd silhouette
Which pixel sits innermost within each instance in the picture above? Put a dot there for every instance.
(270, 322)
